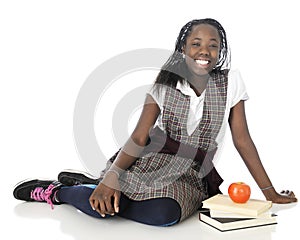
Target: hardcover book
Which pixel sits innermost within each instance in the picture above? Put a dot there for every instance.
(252, 208)
(221, 214)
(234, 223)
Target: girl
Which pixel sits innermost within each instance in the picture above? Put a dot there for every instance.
(162, 174)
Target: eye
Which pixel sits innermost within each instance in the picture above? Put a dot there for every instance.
(213, 46)
(196, 44)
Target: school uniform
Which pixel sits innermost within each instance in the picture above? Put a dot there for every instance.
(178, 162)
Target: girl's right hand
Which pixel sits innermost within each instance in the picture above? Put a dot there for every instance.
(105, 198)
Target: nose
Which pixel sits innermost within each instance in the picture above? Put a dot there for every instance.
(204, 51)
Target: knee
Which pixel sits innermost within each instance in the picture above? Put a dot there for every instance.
(167, 214)
(155, 212)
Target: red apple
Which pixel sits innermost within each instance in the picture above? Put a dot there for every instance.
(239, 192)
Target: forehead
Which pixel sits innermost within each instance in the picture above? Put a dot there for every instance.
(204, 31)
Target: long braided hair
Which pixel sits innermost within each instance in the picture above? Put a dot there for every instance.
(175, 68)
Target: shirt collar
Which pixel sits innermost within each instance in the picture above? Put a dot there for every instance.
(186, 89)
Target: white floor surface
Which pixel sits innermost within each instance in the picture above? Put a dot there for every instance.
(37, 221)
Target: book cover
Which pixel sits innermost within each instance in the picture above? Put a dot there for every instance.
(232, 223)
(222, 214)
(252, 208)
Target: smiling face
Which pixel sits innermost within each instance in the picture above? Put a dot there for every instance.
(202, 50)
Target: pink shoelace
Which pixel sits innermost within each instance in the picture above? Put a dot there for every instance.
(39, 194)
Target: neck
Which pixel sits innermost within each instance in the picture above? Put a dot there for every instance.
(199, 84)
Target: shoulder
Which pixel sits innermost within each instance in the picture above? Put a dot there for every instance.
(236, 87)
(235, 79)
(158, 92)
(234, 75)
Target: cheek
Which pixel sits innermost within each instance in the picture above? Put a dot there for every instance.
(216, 56)
(188, 60)
(189, 51)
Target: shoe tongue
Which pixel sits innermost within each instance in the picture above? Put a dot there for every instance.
(47, 195)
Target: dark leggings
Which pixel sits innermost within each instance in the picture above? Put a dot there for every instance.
(157, 212)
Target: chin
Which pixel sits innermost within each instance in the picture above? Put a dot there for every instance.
(202, 72)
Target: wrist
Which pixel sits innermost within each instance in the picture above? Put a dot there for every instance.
(114, 172)
(111, 180)
(269, 193)
(111, 177)
(267, 188)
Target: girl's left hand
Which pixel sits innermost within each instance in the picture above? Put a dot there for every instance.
(283, 197)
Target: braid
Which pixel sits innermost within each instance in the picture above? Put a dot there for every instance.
(184, 33)
(175, 69)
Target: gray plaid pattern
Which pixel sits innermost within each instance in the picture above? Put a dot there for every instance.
(176, 114)
(158, 175)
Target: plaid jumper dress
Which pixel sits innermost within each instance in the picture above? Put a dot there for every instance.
(158, 174)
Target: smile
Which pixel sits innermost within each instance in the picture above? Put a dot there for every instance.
(202, 62)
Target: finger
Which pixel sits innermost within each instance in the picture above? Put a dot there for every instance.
(290, 199)
(108, 205)
(285, 192)
(102, 210)
(291, 194)
(116, 201)
(94, 204)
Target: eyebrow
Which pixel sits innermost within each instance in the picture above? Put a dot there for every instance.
(212, 39)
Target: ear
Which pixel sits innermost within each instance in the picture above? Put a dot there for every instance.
(182, 49)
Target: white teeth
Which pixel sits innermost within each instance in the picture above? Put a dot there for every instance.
(202, 62)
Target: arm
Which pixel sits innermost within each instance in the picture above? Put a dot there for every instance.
(139, 137)
(108, 189)
(247, 150)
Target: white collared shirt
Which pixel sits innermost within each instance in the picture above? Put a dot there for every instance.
(235, 93)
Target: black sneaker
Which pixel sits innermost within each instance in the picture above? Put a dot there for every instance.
(37, 190)
(74, 177)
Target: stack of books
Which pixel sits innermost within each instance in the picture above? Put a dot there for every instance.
(223, 214)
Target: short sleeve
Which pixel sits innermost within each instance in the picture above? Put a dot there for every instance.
(236, 87)
(158, 96)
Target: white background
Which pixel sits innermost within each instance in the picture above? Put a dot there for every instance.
(49, 48)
